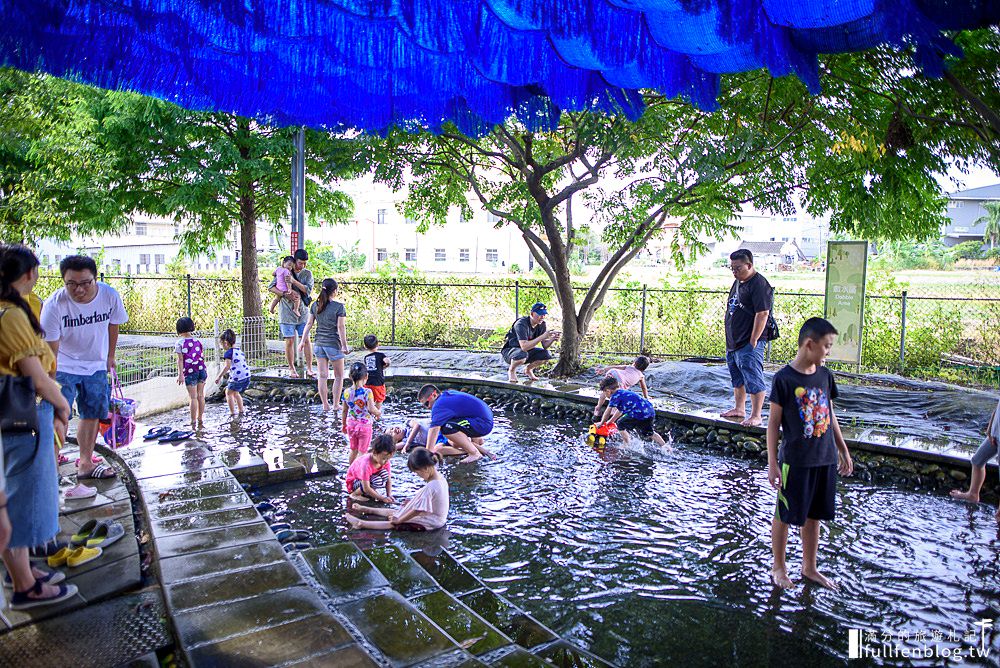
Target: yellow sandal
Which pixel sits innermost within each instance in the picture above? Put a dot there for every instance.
(83, 555)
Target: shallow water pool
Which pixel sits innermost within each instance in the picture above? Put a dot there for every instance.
(648, 558)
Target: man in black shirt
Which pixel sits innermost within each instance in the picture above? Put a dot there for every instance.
(746, 318)
(523, 340)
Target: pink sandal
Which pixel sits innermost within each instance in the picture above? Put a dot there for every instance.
(93, 458)
(63, 459)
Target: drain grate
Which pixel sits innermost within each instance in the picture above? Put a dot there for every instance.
(106, 634)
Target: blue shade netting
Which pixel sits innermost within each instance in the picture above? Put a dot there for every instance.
(373, 64)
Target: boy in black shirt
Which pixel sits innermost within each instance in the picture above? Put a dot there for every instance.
(375, 363)
(813, 450)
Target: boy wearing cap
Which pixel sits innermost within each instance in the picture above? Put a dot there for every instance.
(521, 345)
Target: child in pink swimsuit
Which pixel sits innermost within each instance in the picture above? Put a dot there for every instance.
(359, 412)
(283, 281)
(627, 376)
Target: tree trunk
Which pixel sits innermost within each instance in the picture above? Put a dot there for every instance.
(254, 343)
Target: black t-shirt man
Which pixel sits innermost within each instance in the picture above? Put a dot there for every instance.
(746, 300)
(522, 330)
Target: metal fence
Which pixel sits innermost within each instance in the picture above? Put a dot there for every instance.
(902, 332)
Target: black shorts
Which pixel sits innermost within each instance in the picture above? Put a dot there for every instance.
(529, 356)
(807, 492)
(644, 427)
(471, 427)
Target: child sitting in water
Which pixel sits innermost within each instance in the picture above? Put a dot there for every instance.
(371, 472)
(630, 411)
(414, 434)
(987, 451)
(627, 376)
(359, 411)
(813, 451)
(426, 511)
(283, 282)
(238, 370)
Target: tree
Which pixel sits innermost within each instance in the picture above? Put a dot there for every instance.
(54, 177)
(991, 220)
(79, 159)
(678, 166)
(215, 173)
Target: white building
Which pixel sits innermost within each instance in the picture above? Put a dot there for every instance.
(808, 235)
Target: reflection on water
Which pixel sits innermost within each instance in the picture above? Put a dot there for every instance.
(646, 558)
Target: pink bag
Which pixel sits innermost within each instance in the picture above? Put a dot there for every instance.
(119, 427)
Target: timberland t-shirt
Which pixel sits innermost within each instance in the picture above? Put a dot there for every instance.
(82, 329)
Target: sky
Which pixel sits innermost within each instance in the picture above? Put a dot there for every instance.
(976, 178)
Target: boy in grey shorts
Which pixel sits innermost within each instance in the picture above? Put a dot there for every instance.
(986, 451)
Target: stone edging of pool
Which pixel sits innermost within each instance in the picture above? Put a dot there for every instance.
(235, 596)
(879, 455)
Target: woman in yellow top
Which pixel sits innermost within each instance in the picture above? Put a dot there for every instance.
(29, 457)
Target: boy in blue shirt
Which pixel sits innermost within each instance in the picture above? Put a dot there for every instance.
(630, 411)
(804, 471)
(462, 418)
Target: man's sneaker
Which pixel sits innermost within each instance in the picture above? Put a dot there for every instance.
(21, 601)
(43, 552)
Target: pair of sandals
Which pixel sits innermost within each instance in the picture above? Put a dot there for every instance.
(167, 434)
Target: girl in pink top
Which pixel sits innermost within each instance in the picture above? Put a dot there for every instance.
(426, 511)
(283, 282)
(371, 472)
(627, 376)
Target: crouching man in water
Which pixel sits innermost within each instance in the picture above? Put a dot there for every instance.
(462, 418)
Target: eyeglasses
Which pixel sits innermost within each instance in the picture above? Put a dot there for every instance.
(737, 268)
(73, 285)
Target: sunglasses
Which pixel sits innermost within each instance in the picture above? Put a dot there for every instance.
(426, 403)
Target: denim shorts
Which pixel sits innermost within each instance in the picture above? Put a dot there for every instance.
(238, 385)
(196, 377)
(289, 331)
(32, 483)
(328, 353)
(91, 393)
(985, 453)
(746, 367)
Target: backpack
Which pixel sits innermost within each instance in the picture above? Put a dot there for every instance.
(771, 331)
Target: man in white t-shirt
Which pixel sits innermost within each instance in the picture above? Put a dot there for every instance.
(81, 325)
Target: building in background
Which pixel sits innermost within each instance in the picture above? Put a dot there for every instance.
(965, 207)
(803, 236)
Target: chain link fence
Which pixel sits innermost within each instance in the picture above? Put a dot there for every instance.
(954, 326)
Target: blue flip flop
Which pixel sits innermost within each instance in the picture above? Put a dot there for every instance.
(157, 432)
(176, 436)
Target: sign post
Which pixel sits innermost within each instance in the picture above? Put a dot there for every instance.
(846, 271)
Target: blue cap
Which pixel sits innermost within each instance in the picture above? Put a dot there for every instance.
(539, 308)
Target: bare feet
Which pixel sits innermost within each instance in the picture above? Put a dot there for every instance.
(734, 412)
(470, 459)
(531, 375)
(820, 579)
(353, 521)
(965, 496)
(752, 421)
(511, 377)
(779, 576)
(292, 373)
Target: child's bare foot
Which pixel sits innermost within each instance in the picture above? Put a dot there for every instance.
(734, 412)
(512, 377)
(820, 579)
(357, 496)
(969, 496)
(353, 521)
(531, 375)
(779, 576)
(272, 307)
(752, 421)
(475, 458)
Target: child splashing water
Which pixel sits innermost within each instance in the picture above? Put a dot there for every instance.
(426, 511)
(371, 472)
(358, 412)
(191, 371)
(283, 282)
(630, 411)
(237, 368)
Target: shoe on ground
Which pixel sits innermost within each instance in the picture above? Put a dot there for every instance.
(43, 552)
(52, 578)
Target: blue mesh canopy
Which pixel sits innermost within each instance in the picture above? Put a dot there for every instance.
(372, 64)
